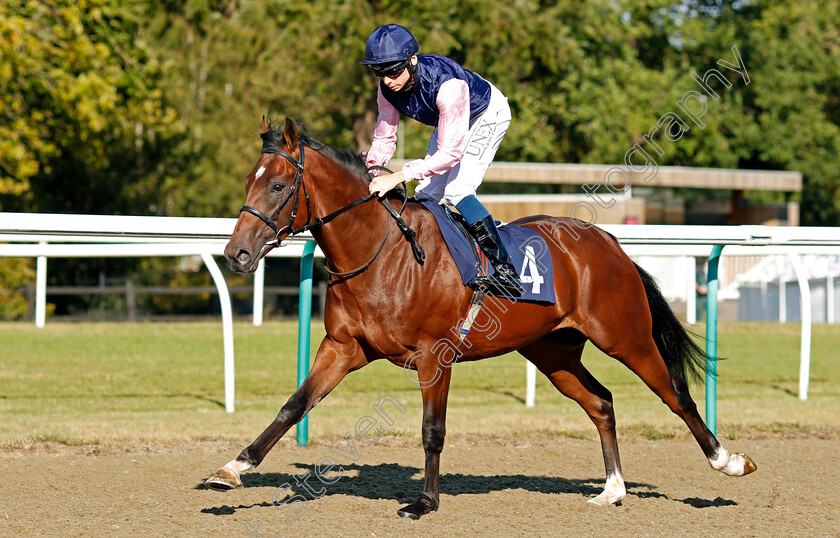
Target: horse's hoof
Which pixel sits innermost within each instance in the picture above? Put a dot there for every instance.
(415, 510)
(749, 464)
(738, 465)
(606, 499)
(407, 515)
(223, 480)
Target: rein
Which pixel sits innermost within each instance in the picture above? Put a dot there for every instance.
(319, 222)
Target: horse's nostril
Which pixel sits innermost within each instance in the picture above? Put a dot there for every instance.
(243, 257)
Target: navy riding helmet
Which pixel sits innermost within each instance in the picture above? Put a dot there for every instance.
(388, 44)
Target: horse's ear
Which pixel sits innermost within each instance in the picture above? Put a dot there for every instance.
(290, 133)
(265, 125)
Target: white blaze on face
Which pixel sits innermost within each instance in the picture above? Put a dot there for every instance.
(260, 172)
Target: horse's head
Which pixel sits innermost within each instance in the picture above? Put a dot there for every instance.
(272, 199)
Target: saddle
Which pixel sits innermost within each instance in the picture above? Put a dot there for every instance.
(482, 262)
(528, 251)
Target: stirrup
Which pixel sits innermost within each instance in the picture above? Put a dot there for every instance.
(503, 280)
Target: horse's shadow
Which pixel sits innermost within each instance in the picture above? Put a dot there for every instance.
(399, 483)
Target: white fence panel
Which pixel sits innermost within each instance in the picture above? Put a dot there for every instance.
(42, 236)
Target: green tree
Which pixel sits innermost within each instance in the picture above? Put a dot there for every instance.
(14, 274)
(786, 118)
(794, 47)
(83, 128)
(233, 62)
(82, 125)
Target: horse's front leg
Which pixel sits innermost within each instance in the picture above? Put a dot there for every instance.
(333, 361)
(434, 383)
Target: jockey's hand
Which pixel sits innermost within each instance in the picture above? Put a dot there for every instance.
(384, 183)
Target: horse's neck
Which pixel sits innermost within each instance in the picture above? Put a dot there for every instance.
(352, 237)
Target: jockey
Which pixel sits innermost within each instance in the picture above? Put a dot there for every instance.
(471, 117)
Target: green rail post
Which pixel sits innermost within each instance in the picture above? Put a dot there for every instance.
(304, 322)
(711, 339)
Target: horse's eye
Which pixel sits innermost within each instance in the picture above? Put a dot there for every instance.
(277, 187)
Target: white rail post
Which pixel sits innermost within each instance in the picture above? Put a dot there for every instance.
(259, 293)
(227, 328)
(829, 297)
(530, 384)
(691, 289)
(805, 314)
(782, 297)
(764, 306)
(41, 290)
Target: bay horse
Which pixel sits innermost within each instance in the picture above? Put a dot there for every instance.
(394, 308)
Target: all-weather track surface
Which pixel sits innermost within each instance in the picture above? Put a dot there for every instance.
(512, 487)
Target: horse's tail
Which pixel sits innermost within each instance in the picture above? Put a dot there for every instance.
(682, 355)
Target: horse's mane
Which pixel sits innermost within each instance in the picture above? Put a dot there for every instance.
(346, 157)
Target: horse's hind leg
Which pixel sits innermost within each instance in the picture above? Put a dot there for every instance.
(673, 390)
(653, 343)
(559, 359)
(645, 360)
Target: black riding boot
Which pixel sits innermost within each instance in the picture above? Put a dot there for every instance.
(487, 236)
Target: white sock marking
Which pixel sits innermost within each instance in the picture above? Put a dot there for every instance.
(730, 464)
(720, 460)
(615, 485)
(238, 467)
(614, 491)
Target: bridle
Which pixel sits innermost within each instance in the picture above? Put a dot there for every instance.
(319, 222)
(293, 191)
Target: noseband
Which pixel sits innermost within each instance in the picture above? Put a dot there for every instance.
(318, 222)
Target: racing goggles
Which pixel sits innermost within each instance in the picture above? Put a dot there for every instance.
(389, 70)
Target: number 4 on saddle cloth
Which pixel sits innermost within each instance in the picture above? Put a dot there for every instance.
(528, 251)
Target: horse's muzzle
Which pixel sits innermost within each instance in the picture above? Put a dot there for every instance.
(240, 260)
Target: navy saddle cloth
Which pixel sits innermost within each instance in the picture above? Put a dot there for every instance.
(528, 251)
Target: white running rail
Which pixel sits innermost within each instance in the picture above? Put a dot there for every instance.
(52, 235)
